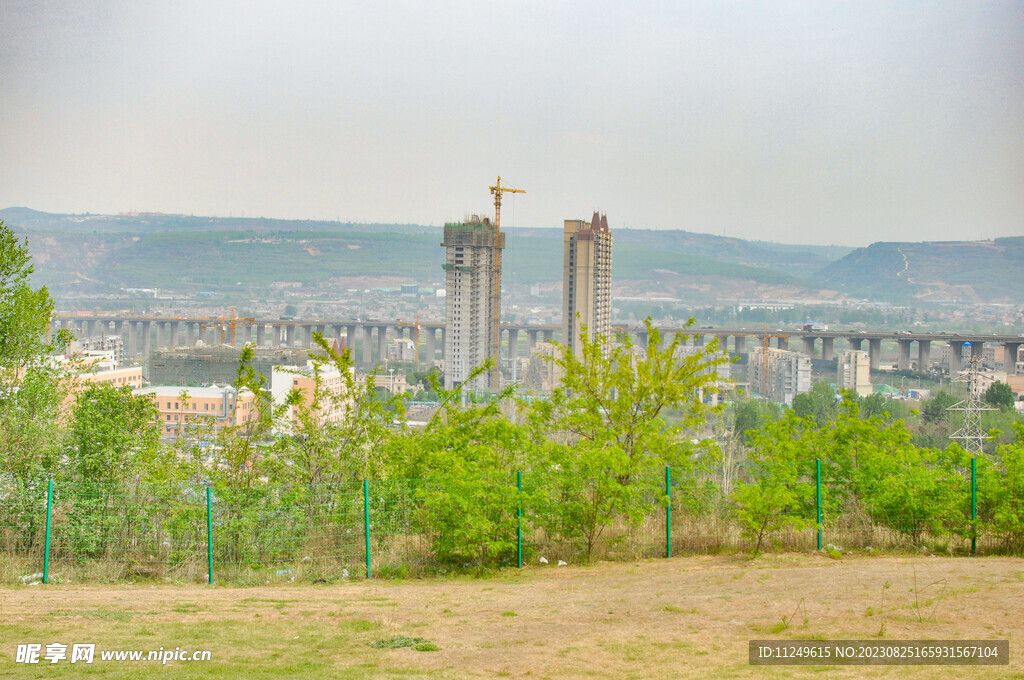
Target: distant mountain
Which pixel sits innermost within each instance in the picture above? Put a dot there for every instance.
(795, 260)
(965, 271)
(96, 253)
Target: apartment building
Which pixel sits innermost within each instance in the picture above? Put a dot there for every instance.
(586, 280)
(853, 372)
(472, 301)
(778, 374)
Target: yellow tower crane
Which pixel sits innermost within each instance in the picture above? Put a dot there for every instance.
(228, 326)
(495, 344)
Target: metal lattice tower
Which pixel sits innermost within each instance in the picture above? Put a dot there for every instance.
(970, 436)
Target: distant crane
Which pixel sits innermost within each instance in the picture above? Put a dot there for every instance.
(229, 326)
(495, 345)
(765, 343)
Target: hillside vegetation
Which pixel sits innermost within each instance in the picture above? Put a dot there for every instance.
(971, 271)
(96, 253)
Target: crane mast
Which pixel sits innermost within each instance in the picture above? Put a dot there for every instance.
(495, 343)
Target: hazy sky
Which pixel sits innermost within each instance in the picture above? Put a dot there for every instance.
(816, 122)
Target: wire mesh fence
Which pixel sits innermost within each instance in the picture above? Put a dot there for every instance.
(74, 531)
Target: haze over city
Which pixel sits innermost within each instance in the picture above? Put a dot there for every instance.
(816, 123)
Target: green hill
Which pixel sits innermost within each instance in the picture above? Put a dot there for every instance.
(94, 253)
(972, 271)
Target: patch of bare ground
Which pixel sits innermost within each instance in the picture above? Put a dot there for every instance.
(685, 617)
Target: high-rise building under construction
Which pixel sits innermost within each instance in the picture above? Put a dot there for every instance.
(586, 280)
(472, 273)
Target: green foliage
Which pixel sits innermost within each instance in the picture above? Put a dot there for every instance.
(776, 494)
(30, 392)
(1004, 493)
(819, 404)
(999, 395)
(25, 312)
(751, 415)
(606, 424)
(114, 435)
(935, 410)
(343, 431)
(467, 458)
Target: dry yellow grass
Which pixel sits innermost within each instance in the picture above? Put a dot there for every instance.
(686, 617)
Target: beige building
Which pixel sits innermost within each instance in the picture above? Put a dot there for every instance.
(586, 279)
(218, 407)
(853, 372)
(333, 402)
(472, 301)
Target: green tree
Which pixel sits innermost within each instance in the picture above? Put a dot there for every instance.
(324, 449)
(30, 392)
(999, 395)
(606, 427)
(935, 410)
(820, 404)
(463, 465)
(25, 312)
(1004, 492)
(114, 435)
(776, 493)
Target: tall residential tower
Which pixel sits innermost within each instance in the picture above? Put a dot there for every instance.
(472, 263)
(586, 280)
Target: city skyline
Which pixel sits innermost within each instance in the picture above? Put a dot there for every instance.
(818, 124)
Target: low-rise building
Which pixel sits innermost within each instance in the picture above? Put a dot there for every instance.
(217, 407)
(333, 403)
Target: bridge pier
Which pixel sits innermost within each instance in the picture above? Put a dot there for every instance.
(431, 345)
(827, 351)
(875, 352)
(740, 344)
(924, 355)
(513, 344)
(147, 328)
(382, 343)
(956, 357)
(903, 363)
(855, 343)
(809, 345)
(367, 346)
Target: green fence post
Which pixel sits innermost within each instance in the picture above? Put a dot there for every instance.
(519, 516)
(817, 501)
(668, 511)
(46, 541)
(974, 506)
(366, 522)
(209, 535)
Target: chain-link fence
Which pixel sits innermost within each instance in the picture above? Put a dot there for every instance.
(70, 531)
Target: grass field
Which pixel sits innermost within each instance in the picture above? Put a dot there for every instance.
(686, 617)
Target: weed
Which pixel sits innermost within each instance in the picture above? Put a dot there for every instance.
(400, 641)
(427, 647)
